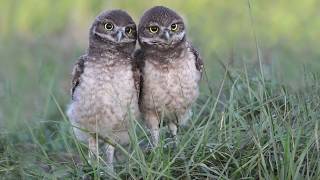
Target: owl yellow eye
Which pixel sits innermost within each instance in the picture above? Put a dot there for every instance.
(153, 29)
(174, 27)
(108, 26)
(128, 30)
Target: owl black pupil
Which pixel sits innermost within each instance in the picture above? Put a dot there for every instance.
(109, 26)
(128, 30)
(173, 26)
(154, 28)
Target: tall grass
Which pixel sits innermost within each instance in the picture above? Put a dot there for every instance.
(263, 131)
(246, 126)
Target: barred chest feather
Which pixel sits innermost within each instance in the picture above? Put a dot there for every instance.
(172, 87)
(104, 98)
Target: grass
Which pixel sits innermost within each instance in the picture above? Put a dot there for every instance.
(245, 125)
(247, 129)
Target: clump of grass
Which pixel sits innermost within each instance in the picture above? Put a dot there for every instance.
(265, 130)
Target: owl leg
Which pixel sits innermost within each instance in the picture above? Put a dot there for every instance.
(93, 149)
(109, 156)
(173, 129)
(155, 133)
(183, 119)
(152, 123)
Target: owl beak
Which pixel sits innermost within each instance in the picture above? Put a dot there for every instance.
(119, 36)
(167, 35)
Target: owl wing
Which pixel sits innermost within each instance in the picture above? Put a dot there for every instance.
(76, 73)
(198, 59)
(138, 64)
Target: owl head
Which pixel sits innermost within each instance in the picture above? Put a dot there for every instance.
(114, 27)
(161, 28)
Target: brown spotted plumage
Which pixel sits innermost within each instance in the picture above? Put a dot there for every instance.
(104, 97)
(76, 73)
(171, 70)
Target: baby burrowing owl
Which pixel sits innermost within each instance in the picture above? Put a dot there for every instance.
(171, 70)
(104, 96)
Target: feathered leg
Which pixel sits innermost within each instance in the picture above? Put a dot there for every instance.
(153, 125)
(93, 149)
(109, 156)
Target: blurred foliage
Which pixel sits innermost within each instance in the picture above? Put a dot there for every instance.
(40, 40)
(289, 20)
(286, 29)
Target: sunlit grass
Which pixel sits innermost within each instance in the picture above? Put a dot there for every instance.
(257, 130)
(248, 123)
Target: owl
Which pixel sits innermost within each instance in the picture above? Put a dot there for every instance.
(171, 70)
(104, 95)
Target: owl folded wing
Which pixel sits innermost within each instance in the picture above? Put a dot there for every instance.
(198, 59)
(76, 73)
(138, 64)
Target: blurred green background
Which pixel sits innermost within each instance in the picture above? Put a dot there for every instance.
(40, 40)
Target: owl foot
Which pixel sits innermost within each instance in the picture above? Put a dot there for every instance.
(109, 158)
